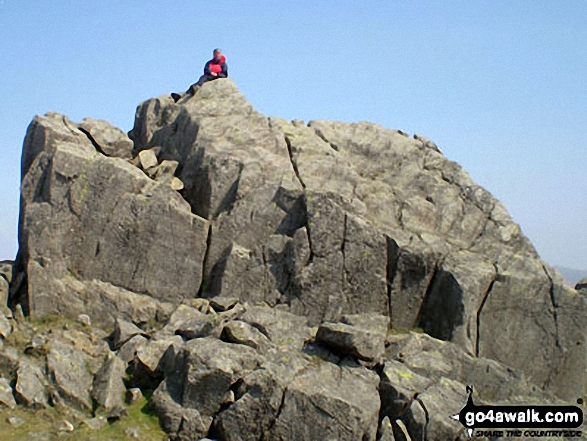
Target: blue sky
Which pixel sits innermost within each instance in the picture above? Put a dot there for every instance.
(499, 85)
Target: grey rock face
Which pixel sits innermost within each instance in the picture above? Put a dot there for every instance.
(30, 388)
(6, 394)
(68, 369)
(355, 218)
(222, 303)
(5, 326)
(581, 285)
(108, 388)
(353, 341)
(149, 361)
(288, 261)
(198, 383)
(245, 334)
(128, 351)
(189, 323)
(282, 328)
(4, 290)
(435, 359)
(87, 219)
(346, 396)
(6, 269)
(107, 139)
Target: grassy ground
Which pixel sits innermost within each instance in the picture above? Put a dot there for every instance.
(43, 424)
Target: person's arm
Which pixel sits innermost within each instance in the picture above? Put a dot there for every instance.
(207, 69)
(224, 73)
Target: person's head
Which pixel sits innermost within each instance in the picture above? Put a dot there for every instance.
(217, 54)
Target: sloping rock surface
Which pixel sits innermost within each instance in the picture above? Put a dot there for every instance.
(262, 276)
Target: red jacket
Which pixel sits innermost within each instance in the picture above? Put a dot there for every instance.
(219, 67)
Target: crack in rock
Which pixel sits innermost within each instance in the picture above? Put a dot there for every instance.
(97, 146)
(480, 310)
(426, 414)
(393, 257)
(293, 162)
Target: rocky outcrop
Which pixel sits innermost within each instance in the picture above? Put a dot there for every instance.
(97, 235)
(332, 218)
(261, 278)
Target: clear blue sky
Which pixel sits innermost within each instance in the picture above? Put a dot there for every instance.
(500, 85)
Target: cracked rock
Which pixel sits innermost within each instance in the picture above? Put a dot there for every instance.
(350, 340)
(124, 331)
(245, 334)
(111, 140)
(30, 387)
(108, 388)
(68, 369)
(128, 351)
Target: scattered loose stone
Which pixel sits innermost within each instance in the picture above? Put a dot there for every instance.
(96, 423)
(148, 158)
(124, 331)
(133, 395)
(84, 319)
(15, 421)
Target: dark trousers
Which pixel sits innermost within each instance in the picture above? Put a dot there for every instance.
(203, 79)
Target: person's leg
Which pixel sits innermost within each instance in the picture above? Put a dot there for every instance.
(194, 87)
(204, 79)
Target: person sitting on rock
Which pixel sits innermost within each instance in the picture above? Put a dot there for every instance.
(214, 69)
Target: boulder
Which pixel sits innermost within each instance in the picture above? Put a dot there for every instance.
(6, 394)
(148, 159)
(124, 331)
(164, 172)
(189, 323)
(108, 388)
(357, 218)
(67, 367)
(149, 362)
(350, 340)
(184, 424)
(177, 184)
(96, 231)
(282, 275)
(133, 395)
(30, 388)
(129, 350)
(107, 139)
(95, 423)
(197, 383)
(85, 320)
(9, 362)
(425, 359)
(245, 334)
(281, 327)
(259, 398)
(326, 401)
(223, 303)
